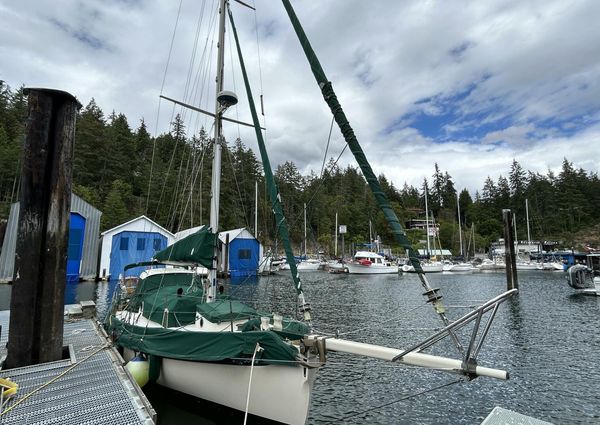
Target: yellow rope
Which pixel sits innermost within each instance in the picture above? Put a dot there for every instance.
(51, 381)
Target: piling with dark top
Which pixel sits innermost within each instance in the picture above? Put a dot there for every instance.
(37, 301)
(510, 260)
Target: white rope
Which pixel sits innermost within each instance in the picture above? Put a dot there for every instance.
(256, 349)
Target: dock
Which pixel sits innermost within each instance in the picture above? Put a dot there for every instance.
(501, 416)
(90, 384)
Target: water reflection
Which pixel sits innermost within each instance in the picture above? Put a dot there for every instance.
(99, 292)
(546, 338)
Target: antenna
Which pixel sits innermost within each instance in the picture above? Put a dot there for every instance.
(226, 99)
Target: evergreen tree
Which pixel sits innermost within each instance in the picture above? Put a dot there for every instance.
(437, 190)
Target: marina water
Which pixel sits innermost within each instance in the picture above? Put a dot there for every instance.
(546, 337)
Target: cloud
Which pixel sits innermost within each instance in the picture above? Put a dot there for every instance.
(469, 86)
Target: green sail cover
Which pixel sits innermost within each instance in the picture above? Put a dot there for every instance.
(202, 346)
(197, 248)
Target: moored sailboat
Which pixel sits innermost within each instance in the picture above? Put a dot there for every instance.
(207, 344)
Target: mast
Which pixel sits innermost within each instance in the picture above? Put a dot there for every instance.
(473, 237)
(527, 217)
(256, 209)
(305, 257)
(427, 223)
(459, 226)
(217, 147)
(336, 235)
(515, 229)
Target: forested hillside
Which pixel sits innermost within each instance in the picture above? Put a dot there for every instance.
(125, 172)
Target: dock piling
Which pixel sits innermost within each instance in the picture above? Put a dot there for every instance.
(37, 301)
(512, 281)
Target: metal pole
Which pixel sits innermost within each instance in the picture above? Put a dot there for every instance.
(305, 231)
(336, 235)
(256, 209)
(37, 302)
(512, 281)
(527, 217)
(459, 226)
(427, 224)
(217, 147)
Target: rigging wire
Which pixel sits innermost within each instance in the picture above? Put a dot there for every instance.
(186, 91)
(381, 406)
(176, 197)
(327, 147)
(237, 110)
(237, 185)
(159, 103)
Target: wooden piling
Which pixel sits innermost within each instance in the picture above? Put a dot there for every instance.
(37, 301)
(512, 281)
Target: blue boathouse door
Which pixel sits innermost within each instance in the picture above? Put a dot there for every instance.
(75, 248)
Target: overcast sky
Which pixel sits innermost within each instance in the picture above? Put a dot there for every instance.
(469, 85)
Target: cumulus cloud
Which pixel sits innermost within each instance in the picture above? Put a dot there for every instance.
(467, 85)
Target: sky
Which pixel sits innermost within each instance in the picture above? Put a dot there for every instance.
(467, 85)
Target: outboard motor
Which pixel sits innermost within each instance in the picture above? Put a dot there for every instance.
(579, 277)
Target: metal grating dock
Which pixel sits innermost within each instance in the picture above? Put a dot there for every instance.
(96, 391)
(500, 416)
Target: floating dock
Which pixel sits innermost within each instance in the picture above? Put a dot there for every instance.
(89, 387)
(500, 416)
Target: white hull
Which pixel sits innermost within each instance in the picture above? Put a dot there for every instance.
(354, 268)
(462, 268)
(427, 268)
(489, 265)
(280, 393)
(529, 266)
(308, 266)
(554, 266)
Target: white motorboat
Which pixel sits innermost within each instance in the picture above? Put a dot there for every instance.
(366, 262)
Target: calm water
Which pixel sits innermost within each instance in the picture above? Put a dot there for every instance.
(546, 337)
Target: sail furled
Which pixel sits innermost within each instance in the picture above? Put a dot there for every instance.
(350, 138)
(195, 249)
(282, 227)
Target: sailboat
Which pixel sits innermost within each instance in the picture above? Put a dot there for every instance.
(461, 267)
(308, 264)
(522, 263)
(202, 342)
(428, 266)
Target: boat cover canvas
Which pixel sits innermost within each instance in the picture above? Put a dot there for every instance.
(173, 300)
(225, 310)
(197, 248)
(159, 292)
(202, 346)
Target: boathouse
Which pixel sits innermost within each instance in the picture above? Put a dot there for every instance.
(131, 242)
(82, 254)
(239, 251)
